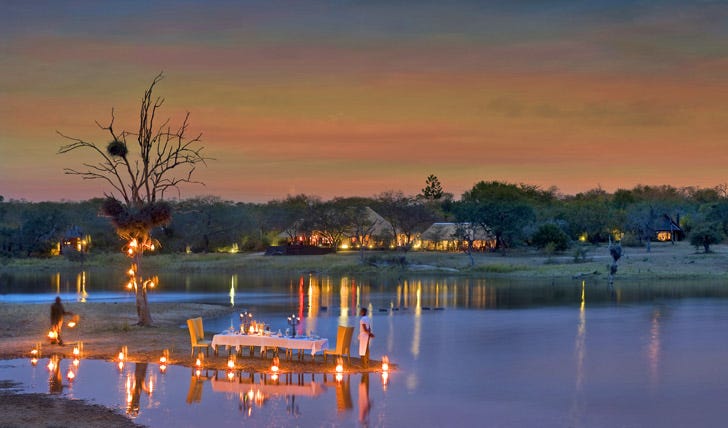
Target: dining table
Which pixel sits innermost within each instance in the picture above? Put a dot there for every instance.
(265, 341)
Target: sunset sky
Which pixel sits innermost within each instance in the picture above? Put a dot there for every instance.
(353, 98)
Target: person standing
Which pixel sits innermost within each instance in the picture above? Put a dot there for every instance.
(365, 335)
(57, 313)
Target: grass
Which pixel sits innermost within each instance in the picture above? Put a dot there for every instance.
(664, 261)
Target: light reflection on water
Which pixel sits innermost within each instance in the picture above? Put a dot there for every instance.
(572, 354)
(180, 397)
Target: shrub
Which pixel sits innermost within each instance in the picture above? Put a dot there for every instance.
(550, 233)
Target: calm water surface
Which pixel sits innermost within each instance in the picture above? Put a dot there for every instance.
(477, 352)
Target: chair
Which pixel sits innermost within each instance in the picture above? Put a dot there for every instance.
(343, 343)
(197, 335)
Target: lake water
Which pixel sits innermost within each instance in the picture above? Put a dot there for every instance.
(470, 351)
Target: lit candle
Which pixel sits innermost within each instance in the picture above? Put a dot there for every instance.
(76, 351)
(71, 375)
(231, 364)
(339, 365)
(385, 363)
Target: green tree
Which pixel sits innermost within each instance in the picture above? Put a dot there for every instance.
(433, 189)
(706, 234)
(407, 216)
(550, 233)
(500, 208)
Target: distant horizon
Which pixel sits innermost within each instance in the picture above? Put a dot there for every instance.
(357, 98)
(445, 190)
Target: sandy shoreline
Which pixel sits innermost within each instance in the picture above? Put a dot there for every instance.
(103, 328)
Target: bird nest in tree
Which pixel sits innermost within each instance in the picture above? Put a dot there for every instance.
(136, 222)
(117, 148)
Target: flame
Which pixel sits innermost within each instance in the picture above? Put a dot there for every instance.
(71, 375)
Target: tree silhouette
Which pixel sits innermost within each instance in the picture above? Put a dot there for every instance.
(166, 158)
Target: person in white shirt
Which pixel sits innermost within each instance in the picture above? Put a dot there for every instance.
(365, 335)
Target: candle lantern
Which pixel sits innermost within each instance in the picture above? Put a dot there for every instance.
(275, 366)
(293, 321)
(339, 365)
(35, 352)
(123, 353)
(246, 318)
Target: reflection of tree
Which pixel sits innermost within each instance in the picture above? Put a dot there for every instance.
(140, 374)
(55, 381)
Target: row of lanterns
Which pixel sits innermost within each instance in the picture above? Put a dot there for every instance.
(164, 359)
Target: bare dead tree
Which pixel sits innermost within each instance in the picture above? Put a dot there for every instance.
(165, 159)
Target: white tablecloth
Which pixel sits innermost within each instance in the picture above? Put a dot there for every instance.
(239, 340)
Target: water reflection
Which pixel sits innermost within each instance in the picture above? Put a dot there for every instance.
(654, 347)
(577, 408)
(317, 293)
(584, 364)
(364, 404)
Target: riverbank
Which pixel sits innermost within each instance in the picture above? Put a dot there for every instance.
(663, 261)
(103, 328)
